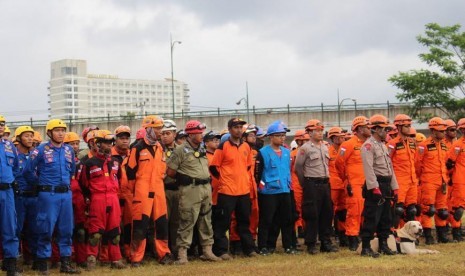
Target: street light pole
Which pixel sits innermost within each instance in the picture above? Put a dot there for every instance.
(172, 43)
(339, 107)
(246, 99)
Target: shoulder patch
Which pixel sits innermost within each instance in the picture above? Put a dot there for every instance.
(367, 146)
(342, 151)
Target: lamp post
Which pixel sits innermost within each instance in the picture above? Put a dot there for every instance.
(246, 99)
(339, 104)
(172, 43)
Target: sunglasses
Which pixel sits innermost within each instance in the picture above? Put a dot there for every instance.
(2, 124)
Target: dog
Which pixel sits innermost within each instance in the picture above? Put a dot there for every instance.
(408, 235)
(374, 243)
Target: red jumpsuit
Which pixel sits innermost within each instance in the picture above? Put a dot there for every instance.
(100, 175)
(80, 218)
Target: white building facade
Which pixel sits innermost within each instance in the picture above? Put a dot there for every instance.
(73, 93)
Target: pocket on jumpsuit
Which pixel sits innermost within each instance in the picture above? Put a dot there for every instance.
(42, 223)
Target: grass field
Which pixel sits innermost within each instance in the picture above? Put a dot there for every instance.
(451, 261)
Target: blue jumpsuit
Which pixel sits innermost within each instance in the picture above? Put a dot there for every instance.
(8, 171)
(54, 166)
(26, 205)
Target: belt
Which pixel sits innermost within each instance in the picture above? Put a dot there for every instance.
(383, 179)
(5, 186)
(186, 180)
(56, 189)
(172, 187)
(27, 193)
(317, 180)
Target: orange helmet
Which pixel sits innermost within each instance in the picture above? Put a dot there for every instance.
(71, 137)
(122, 129)
(402, 119)
(314, 124)
(461, 123)
(152, 121)
(359, 121)
(437, 123)
(392, 130)
(420, 137)
(91, 135)
(301, 135)
(335, 131)
(86, 130)
(413, 132)
(378, 120)
(37, 137)
(103, 134)
(450, 123)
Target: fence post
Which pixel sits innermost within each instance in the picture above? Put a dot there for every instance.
(322, 113)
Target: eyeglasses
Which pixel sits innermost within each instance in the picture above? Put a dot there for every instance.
(2, 124)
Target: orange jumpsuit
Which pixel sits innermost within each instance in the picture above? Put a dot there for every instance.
(430, 166)
(298, 191)
(457, 190)
(338, 192)
(145, 171)
(350, 169)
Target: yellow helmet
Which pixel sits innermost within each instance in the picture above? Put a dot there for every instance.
(152, 121)
(420, 137)
(54, 123)
(7, 130)
(2, 119)
(71, 136)
(21, 129)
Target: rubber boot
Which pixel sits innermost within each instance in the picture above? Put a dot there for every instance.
(182, 257)
(367, 251)
(353, 243)
(208, 254)
(384, 248)
(10, 267)
(428, 236)
(457, 234)
(442, 234)
(42, 266)
(66, 266)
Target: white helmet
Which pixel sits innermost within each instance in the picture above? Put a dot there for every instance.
(169, 125)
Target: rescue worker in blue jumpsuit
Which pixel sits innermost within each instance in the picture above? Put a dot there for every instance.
(51, 166)
(8, 171)
(25, 193)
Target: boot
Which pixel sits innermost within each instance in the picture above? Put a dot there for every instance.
(311, 249)
(428, 236)
(10, 267)
(367, 251)
(208, 254)
(42, 266)
(457, 234)
(384, 248)
(353, 243)
(168, 259)
(343, 240)
(66, 266)
(235, 247)
(91, 263)
(118, 265)
(327, 246)
(441, 232)
(182, 257)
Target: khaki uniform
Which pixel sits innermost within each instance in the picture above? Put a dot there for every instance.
(195, 197)
(172, 204)
(376, 162)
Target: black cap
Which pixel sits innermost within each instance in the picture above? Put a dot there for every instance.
(236, 121)
(180, 134)
(211, 135)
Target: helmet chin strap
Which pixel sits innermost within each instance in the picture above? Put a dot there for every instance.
(50, 135)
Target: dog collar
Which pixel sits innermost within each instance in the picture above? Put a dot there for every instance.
(406, 240)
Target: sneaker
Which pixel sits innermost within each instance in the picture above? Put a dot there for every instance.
(291, 251)
(264, 251)
(136, 264)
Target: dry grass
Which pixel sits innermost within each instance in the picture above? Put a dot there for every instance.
(449, 262)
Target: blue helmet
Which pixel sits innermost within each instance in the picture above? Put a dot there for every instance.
(260, 132)
(277, 127)
(225, 137)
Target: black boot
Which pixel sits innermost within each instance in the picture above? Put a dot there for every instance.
(42, 266)
(311, 249)
(328, 246)
(343, 240)
(353, 243)
(384, 248)
(457, 234)
(367, 251)
(10, 266)
(66, 266)
(428, 236)
(235, 247)
(441, 232)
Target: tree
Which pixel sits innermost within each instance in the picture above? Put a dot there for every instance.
(443, 86)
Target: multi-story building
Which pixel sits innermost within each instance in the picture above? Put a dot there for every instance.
(73, 93)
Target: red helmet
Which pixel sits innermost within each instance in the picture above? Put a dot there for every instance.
(140, 133)
(195, 127)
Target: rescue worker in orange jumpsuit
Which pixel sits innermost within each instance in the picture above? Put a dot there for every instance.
(100, 175)
(430, 166)
(338, 192)
(120, 151)
(145, 171)
(451, 133)
(456, 163)
(350, 169)
(79, 205)
(402, 151)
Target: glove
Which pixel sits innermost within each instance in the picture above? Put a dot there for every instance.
(377, 195)
(395, 195)
(450, 164)
(350, 192)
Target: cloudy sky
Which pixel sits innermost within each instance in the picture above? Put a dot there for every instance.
(290, 52)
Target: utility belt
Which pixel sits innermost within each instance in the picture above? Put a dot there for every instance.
(317, 180)
(171, 186)
(27, 193)
(384, 179)
(185, 180)
(56, 189)
(5, 186)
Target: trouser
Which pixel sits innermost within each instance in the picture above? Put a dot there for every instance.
(172, 204)
(8, 232)
(338, 197)
(194, 209)
(80, 219)
(275, 228)
(55, 212)
(317, 209)
(226, 204)
(104, 219)
(26, 213)
(254, 218)
(298, 195)
(275, 208)
(354, 206)
(456, 201)
(126, 221)
(150, 210)
(377, 215)
(432, 195)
